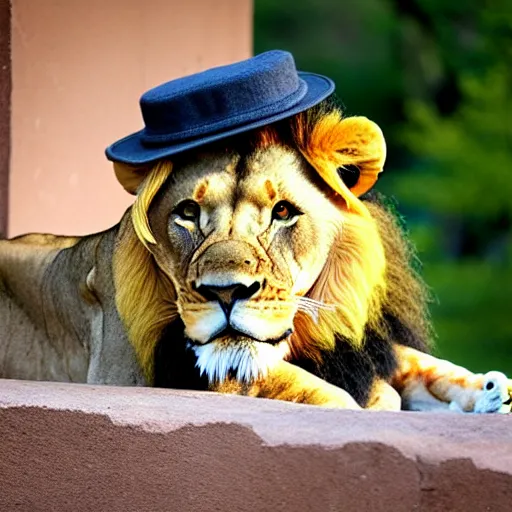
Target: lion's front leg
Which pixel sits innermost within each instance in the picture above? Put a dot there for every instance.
(290, 383)
(383, 397)
(428, 383)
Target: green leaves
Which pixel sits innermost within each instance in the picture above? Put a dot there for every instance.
(463, 163)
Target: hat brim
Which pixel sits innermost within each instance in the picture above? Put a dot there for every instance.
(131, 150)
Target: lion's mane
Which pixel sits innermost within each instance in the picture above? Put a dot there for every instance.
(379, 299)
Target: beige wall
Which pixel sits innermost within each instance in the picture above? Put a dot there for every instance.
(79, 68)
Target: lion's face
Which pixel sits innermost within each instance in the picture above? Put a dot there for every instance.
(263, 251)
(242, 238)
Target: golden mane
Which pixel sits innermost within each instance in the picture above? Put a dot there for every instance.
(145, 296)
(148, 190)
(353, 279)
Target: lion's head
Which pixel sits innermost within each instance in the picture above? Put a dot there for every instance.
(259, 243)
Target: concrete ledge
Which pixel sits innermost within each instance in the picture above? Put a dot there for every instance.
(77, 447)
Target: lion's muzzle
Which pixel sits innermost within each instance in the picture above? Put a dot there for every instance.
(239, 301)
(227, 272)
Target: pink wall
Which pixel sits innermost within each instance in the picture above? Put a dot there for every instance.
(78, 70)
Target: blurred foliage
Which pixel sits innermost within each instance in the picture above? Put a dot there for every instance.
(436, 76)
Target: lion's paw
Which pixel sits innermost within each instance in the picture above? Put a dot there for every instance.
(495, 396)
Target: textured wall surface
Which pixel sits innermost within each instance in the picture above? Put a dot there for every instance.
(5, 109)
(78, 69)
(77, 447)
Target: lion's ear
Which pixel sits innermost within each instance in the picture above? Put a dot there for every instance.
(130, 176)
(361, 153)
(355, 145)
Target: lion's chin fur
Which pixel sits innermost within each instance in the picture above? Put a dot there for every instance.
(244, 359)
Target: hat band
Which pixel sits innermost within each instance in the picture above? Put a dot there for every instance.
(154, 140)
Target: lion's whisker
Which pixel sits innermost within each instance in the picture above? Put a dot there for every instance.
(315, 304)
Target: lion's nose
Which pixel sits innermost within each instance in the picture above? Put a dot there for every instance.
(228, 295)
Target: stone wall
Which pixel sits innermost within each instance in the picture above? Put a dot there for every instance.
(77, 447)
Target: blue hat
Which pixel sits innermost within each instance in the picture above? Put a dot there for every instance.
(217, 103)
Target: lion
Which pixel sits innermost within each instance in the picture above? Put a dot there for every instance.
(260, 264)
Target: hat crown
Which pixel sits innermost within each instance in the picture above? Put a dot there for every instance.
(220, 98)
(199, 109)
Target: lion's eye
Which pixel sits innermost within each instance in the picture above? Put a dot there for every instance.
(283, 210)
(188, 210)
